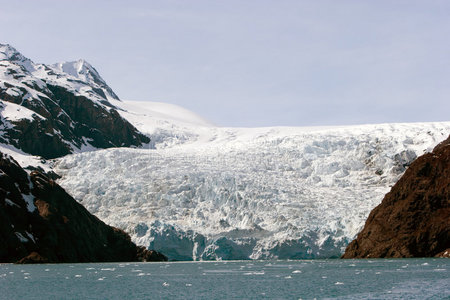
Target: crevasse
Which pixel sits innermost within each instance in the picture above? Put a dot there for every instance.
(236, 193)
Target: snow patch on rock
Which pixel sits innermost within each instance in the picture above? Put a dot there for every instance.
(13, 112)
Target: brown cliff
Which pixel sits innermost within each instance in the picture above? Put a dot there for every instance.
(413, 220)
(40, 222)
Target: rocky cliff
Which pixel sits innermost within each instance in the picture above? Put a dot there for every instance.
(40, 222)
(413, 219)
(54, 110)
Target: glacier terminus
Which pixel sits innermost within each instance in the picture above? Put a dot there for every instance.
(201, 192)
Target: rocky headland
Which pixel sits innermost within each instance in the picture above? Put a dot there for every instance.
(413, 220)
(41, 223)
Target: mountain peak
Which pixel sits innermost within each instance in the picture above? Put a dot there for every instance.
(84, 71)
(9, 53)
(79, 68)
(79, 71)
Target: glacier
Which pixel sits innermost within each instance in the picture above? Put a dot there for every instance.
(201, 192)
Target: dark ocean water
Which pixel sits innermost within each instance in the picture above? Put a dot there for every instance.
(303, 279)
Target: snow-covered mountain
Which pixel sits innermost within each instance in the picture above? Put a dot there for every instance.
(204, 192)
(53, 110)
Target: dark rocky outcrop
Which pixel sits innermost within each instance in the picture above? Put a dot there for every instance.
(104, 128)
(413, 219)
(40, 223)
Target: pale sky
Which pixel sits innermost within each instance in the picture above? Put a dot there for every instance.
(254, 63)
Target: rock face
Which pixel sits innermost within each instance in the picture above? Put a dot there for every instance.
(54, 110)
(413, 219)
(40, 222)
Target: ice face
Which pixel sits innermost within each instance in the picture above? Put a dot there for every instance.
(248, 193)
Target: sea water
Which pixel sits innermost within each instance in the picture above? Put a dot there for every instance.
(302, 279)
